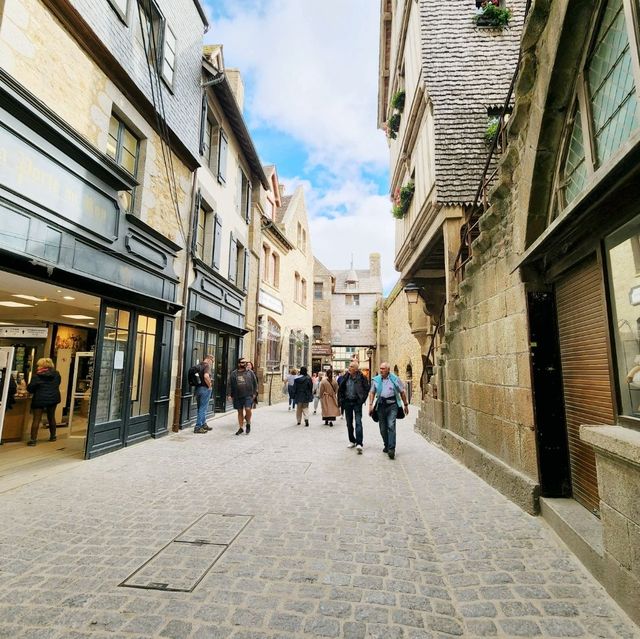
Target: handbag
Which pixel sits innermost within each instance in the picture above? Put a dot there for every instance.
(400, 414)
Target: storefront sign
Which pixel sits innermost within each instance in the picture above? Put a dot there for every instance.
(33, 332)
(270, 302)
(321, 349)
(27, 170)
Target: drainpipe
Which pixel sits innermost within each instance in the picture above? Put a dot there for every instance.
(185, 299)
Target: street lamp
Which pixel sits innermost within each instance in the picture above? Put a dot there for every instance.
(413, 292)
(369, 354)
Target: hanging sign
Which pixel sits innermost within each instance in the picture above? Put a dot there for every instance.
(33, 332)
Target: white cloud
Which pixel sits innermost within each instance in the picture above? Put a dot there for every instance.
(366, 228)
(314, 69)
(311, 72)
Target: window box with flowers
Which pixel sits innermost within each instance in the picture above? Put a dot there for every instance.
(402, 200)
(490, 13)
(392, 125)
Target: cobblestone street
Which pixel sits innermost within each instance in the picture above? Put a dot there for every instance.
(335, 544)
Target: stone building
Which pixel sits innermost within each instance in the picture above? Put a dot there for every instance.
(221, 260)
(323, 288)
(537, 374)
(284, 307)
(443, 75)
(397, 339)
(99, 147)
(353, 314)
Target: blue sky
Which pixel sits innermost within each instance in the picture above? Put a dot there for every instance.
(310, 73)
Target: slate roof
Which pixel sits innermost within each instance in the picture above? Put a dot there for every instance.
(282, 209)
(467, 70)
(367, 283)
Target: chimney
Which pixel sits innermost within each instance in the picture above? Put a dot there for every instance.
(237, 85)
(374, 264)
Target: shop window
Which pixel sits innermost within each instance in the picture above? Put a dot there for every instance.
(124, 147)
(624, 288)
(142, 374)
(273, 345)
(317, 290)
(113, 363)
(352, 300)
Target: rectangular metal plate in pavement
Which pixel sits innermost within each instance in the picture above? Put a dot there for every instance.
(214, 528)
(177, 567)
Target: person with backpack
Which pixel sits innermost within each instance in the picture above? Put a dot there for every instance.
(200, 378)
(243, 388)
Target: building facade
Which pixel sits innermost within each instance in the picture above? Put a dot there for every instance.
(99, 149)
(284, 304)
(537, 376)
(353, 311)
(323, 288)
(438, 111)
(221, 258)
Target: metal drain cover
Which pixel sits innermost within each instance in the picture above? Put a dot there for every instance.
(214, 529)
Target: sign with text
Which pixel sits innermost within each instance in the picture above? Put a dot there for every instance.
(27, 170)
(32, 332)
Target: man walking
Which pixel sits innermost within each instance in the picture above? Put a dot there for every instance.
(387, 396)
(352, 394)
(303, 395)
(203, 394)
(243, 386)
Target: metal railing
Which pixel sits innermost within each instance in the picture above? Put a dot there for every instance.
(429, 361)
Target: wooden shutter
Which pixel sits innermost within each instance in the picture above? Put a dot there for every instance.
(248, 209)
(194, 225)
(582, 327)
(203, 122)
(222, 156)
(245, 271)
(217, 242)
(233, 259)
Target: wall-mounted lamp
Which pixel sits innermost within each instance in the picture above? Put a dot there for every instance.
(413, 292)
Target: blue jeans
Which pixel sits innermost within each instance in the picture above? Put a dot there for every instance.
(292, 398)
(352, 409)
(387, 421)
(203, 395)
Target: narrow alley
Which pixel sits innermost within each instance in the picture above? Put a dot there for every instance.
(323, 543)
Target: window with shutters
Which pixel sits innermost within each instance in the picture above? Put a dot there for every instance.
(243, 195)
(210, 141)
(204, 234)
(605, 113)
(153, 32)
(238, 264)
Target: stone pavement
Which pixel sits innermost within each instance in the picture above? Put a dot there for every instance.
(335, 544)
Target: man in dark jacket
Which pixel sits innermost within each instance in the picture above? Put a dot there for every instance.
(352, 394)
(243, 386)
(303, 395)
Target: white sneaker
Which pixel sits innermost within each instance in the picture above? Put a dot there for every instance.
(351, 445)
(359, 449)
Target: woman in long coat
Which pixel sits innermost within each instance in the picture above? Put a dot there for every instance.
(329, 399)
(45, 390)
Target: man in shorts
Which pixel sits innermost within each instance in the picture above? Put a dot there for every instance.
(243, 386)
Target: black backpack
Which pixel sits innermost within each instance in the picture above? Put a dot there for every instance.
(194, 375)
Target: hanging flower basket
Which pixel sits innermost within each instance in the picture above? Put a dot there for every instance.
(492, 15)
(397, 101)
(393, 126)
(402, 200)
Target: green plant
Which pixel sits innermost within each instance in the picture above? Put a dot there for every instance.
(393, 126)
(402, 200)
(493, 126)
(493, 16)
(397, 101)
